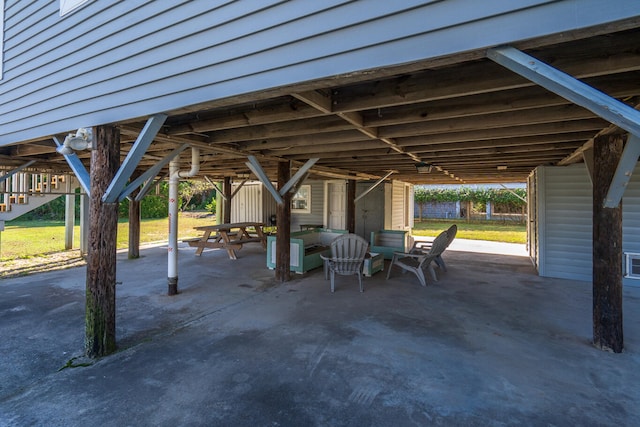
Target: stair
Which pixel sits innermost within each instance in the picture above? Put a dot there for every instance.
(23, 192)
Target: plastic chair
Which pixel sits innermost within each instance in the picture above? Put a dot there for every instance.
(416, 263)
(347, 258)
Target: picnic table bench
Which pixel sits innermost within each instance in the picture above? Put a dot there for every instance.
(230, 237)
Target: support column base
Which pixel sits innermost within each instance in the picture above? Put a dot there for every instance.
(173, 286)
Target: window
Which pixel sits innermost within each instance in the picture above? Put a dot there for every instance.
(633, 266)
(301, 201)
(68, 6)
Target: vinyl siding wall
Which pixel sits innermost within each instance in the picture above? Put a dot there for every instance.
(112, 61)
(565, 224)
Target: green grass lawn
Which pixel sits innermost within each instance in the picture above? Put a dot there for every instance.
(24, 239)
(485, 230)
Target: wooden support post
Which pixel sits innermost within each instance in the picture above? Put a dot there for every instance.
(351, 205)
(100, 312)
(607, 248)
(226, 188)
(283, 219)
(134, 222)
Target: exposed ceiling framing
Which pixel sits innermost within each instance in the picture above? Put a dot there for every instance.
(474, 120)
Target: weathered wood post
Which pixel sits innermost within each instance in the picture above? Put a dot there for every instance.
(351, 205)
(100, 316)
(134, 222)
(283, 220)
(226, 188)
(607, 248)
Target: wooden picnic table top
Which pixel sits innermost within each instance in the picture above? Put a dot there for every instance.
(218, 227)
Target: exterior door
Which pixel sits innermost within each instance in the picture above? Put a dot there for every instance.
(336, 206)
(369, 210)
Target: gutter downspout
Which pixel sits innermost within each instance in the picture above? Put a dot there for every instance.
(174, 179)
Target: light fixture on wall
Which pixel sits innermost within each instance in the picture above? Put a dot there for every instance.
(423, 167)
(502, 167)
(82, 140)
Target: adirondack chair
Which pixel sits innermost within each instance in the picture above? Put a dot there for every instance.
(347, 257)
(416, 263)
(423, 247)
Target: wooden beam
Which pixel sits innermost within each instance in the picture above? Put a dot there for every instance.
(351, 205)
(100, 310)
(607, 249)
(283, 222)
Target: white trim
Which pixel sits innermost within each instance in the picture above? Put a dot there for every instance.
(628, 270)
(307, 199)
(68, 6)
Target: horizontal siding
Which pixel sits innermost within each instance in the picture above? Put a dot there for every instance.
(631, 221)
(316, 216)
(64, 72)
(567, 223)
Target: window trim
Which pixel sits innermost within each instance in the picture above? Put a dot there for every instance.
(307, 199)
(629, 258)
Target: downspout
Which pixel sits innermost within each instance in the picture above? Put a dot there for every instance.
(174, 179)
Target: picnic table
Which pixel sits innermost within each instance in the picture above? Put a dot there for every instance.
(228, 236)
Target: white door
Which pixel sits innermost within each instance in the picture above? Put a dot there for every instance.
(336, 205)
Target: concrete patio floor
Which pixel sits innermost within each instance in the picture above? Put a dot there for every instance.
(489, 344)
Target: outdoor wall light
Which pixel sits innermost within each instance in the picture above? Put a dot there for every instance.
(422, 167)
(82, 140)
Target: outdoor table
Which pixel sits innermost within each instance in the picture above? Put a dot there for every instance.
(228, 236)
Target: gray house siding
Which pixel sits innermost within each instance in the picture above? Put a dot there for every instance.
(113, 61)
(564, 212)
(317, 207)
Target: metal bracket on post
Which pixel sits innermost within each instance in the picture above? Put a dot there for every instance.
(255, 167)
(151, 173)
(78, 168)
(625, 168)
(147, 134)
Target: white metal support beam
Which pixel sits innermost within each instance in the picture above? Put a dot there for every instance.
(78, 169)
(370, 189)
(151, 173)
(625, 168)
(298, 175)
(587, 157)
(255, 167)
(568, 87)
(217, 187)
(148, 185)
(145, 138)
(16, 170)
(257, 170)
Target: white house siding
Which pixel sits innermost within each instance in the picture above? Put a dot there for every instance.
(252, 203)
(565, 222)
(399, 215)
(631, 220)
(565, 226)
(111, 61)
(316, 216)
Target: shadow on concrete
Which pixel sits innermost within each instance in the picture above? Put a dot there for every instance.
(490, 343)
